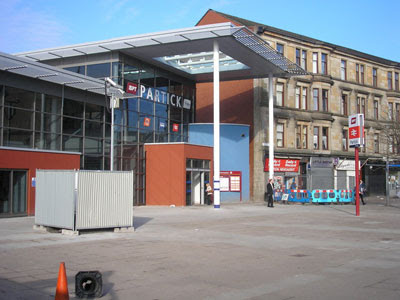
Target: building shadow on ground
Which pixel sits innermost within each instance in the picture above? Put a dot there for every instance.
(140, 221)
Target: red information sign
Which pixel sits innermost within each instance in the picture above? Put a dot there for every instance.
(175, 127)
(230, 181)
(132, 88)
(146, 122)
(283, 165)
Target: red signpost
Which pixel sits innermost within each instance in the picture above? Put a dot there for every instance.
(356, 140)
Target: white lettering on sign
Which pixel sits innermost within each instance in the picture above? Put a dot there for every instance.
(159, 96)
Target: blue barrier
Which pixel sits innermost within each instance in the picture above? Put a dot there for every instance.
(324, 196)
(302, 196)
(315, 196)
(345, 196)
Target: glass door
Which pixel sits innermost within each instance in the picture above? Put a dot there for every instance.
(13, 192)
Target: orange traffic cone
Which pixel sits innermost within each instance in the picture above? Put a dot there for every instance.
(62, 284)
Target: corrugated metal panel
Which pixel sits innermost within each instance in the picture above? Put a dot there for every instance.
(105, 199)
(54, 198)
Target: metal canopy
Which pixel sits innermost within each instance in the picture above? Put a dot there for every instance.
(32, 69)
(256, 58)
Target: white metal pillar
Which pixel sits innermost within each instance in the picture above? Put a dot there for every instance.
(271, 126)
(216, 128)
(112, 104)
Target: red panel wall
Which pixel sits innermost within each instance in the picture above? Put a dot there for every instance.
(166, 171)
(32, 160)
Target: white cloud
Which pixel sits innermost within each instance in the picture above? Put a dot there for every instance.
(26, 28)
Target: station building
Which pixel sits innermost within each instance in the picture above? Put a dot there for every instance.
(54, 113)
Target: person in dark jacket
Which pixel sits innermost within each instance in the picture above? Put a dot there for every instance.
(361, 192)
(270, 192)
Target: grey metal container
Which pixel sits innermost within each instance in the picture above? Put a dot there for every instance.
(78, 199)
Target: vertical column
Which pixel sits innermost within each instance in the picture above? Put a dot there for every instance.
(112, 134)
(216, 128)
(271, 125)
(356, 149)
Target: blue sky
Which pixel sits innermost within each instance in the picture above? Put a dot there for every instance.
(369, 26)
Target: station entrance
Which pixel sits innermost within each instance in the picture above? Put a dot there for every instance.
(197, 176)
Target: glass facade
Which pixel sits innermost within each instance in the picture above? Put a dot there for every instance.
(158, 113)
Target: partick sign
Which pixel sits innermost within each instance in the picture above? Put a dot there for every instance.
(157, 95)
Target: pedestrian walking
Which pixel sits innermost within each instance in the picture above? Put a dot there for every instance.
(270, 192)
(361, 191)
(209, 192)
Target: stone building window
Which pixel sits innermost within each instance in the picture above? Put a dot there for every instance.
(343, 70)
(315, 62)
(279, 48)
(304, 59)
(376, 143)
(390, 80)
(315, 99)
(324, 100)
(301, 137)
(344, 105)
(316, 138)
(361, 105)
(376, 108)
(324, 64)
(325, 145)
(301, 97)
(280, 135)
(345, 140)
(279, 94)
(375, 77)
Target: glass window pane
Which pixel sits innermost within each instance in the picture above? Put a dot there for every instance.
(19, 98)
(99, 70)
(94, 112)
(132, 119)
(19, 191)
(130, 135)
(161, 137)
(72, 126)
(147, 76)
(161, 110)
(146, 136)
(93, 146)
(117, 72)
(129, 151)
(48, 122)
(47, 103)
(17, 118)
(72, 143)
(17, 138)
(146, 107)
(76, 69)
(5, 191)
(73, 108)
(93, 162)
(47, 141)
(132, 103)
(94, 129)
(131, 74)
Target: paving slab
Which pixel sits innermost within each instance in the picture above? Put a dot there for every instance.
(240, 251)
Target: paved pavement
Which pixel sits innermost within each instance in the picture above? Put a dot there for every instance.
(242, 251)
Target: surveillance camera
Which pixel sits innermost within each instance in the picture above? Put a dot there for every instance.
(108, 80)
